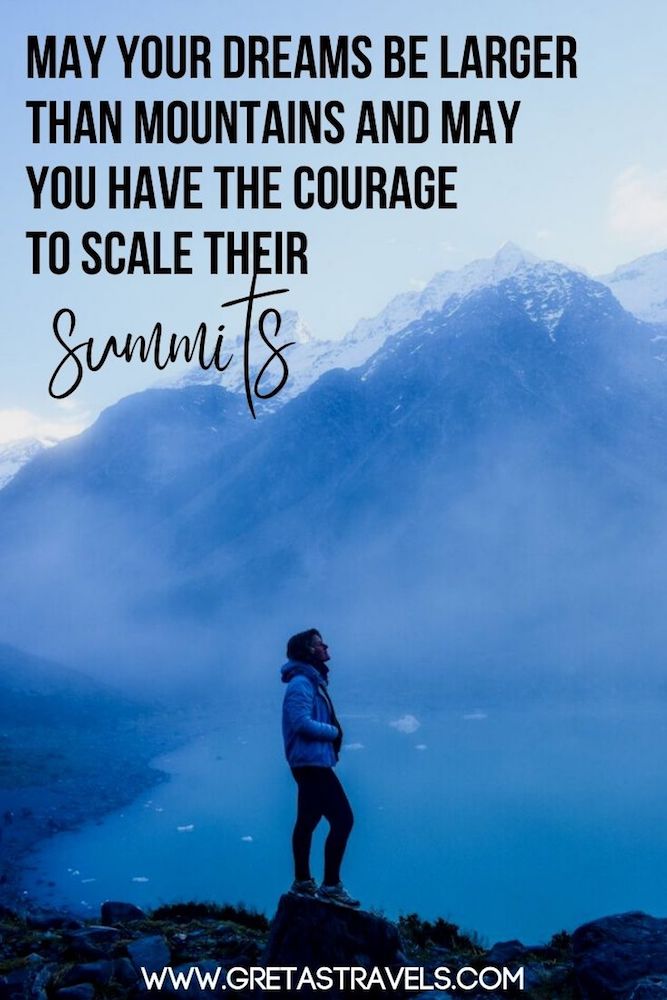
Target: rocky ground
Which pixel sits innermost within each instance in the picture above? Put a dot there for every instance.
(53, 956)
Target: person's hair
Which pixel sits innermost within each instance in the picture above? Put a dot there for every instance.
(298, 646)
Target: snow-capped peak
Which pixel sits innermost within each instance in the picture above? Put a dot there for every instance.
(409, 306)
(508, 259)
(541, 287)
(641, 286)
(293, 328)
(309, 357)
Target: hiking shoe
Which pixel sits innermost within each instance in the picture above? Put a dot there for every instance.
(303, 887)
(337, 894)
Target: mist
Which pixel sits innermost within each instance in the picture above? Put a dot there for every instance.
(516, 576)
(475, 512)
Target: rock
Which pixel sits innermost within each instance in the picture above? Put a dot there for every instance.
(38, 990)
(558, 981)
(89, 972)
(16, 985)
(503, 952)
(29, 981)
(307, 932)
(205, 965)
(651, 988)
(91, 942)
(120, 913)
(84, 991)
(124, 972)
(150, 952)
(534, 976)
(613, 954)
(514, 951)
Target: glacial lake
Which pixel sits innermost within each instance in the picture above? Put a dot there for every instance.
(512, 823)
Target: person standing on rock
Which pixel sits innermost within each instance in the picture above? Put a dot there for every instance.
(313, 739)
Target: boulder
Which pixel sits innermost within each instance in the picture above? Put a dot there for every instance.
(39, 988)
(88, 972)
(514, 955)
(29, 980)
(308, 932)
(84, 991)
(124, 972)
(206, 966)
(150, 952)
(503, 952)
(120, 913)
(16, 985)
(613, 954)
(91, 942)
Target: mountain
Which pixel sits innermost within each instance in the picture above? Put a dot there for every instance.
(641, 286)
(310, 357)
(486, 488)
(36, 691)
(410, 306)
(306, 363)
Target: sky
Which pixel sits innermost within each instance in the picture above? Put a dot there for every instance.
(585, 180)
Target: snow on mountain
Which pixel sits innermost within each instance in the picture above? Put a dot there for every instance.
(542, 288)
(641, 286)
(369, 334)
(307, 360)
(15, 454)
(545, 293)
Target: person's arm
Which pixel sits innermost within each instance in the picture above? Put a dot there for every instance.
(299, 700)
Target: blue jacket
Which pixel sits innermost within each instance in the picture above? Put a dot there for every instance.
(307, 721)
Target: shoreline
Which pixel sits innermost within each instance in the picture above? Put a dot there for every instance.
(40, 827)
(100, 774)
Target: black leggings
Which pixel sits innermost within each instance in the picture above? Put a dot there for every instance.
(320, 794)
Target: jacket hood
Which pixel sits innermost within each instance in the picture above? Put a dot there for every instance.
(294, 667)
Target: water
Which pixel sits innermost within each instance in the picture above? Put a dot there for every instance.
(514, 824)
